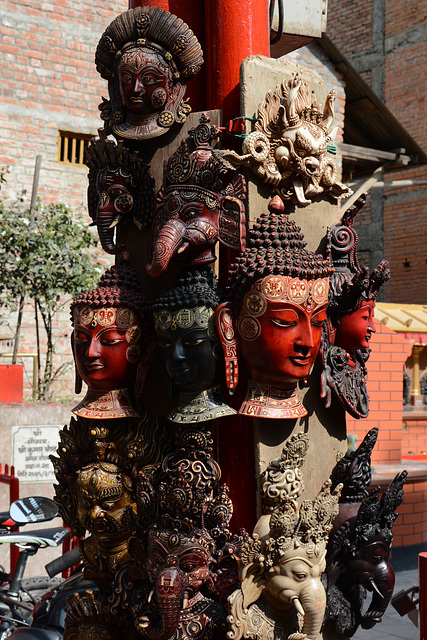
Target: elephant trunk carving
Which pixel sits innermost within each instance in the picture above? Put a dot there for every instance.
(106, 223)
(382, 585)
(169, 594)
(313, 601)
(165, 245)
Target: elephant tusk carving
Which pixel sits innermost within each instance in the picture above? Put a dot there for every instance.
(299, 192)
(115, 222)
(144, 622)
(297, 604)
(183, 247)
(375, 588)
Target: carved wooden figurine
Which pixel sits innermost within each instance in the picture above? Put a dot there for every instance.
(281, 596)
(185, 327)
(111, 346)
(289, 147)
(359, 546)
(199, 204)
(349, 326)
(147, 55)
(278, 293)
(183, 564)
(96, 466)
(121, 189)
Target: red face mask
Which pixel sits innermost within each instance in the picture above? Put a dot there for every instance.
(280, 326)
(355, 329)
(144, 82)
(106, 354)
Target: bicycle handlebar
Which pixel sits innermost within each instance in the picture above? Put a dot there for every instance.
(66, 561)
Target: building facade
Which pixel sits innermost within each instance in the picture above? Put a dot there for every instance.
(386, 44)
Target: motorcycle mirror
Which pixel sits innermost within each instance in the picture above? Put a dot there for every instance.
(34, 509)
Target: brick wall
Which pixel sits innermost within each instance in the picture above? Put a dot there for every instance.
(385, 42)
(414, 436)
(390, 350)
(385, 375)
(351, 24)
(49, 82)
(411, 525)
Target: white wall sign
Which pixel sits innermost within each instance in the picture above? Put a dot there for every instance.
(31, 447)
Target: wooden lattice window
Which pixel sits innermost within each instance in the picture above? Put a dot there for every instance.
(71, 147)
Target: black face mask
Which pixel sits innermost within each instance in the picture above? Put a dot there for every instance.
(188, 358)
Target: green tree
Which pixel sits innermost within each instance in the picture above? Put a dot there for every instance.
(43, 258)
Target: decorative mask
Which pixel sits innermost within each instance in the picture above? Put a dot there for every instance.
(111, 346)
(199, 203)
(278, 293)
(103, 497)
(147, 55)
(186, 548)
(353, 470)
(185, 328)
(289, 146)
(281, 593)
(349, 326)
(96, 465)
(358, 559)
(121, 189)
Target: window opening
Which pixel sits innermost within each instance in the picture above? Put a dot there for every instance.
(71, 147)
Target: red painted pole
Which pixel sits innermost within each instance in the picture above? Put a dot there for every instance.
(422, 577)
(235, 29)
(229, 31)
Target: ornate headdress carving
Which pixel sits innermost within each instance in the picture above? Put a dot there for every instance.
(184, 499)
(292, 525)
(157, 31)
(351, 284)
(194, 288)
(354, 470)
(118, 287)
(104, 154)
(374, 521)
(307, 526)
(288, 147)
(276, 246)
(150, 27)
(127, 443)
(282, 480)
(193, 171)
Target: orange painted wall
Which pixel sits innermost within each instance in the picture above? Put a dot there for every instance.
(385, 382)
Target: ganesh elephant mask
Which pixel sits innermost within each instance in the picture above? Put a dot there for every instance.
(289, 587)
(199, 204)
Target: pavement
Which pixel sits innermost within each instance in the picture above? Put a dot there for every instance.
(394, 626)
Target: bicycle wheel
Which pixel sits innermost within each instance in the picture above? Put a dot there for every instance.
(33, 589)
